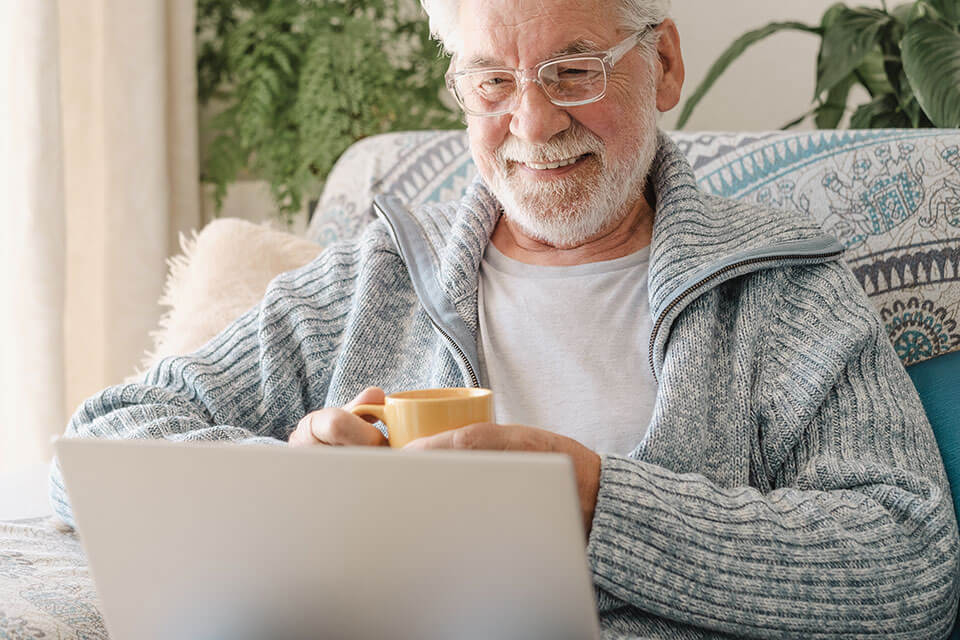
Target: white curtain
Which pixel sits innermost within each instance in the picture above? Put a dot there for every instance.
(103, 176)
(32, 237)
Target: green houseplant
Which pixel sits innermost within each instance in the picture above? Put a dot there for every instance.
(295, 82)
(907, 58)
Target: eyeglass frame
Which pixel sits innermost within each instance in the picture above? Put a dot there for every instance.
(607, 58)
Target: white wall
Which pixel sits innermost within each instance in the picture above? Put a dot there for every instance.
(771, 84)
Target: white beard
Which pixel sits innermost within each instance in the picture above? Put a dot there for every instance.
(594, 198)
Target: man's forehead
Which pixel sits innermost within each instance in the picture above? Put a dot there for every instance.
(496, 32)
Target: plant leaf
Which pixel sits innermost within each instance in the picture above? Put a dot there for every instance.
(798, 120)
(872, 74)
(733, 52)
(907, 12)
(830, 113)
(909, 104)
(297, 81)
(849, 37)
(948, 9)
(882, 112)
(931, 60)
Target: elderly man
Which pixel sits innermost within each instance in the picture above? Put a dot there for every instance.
(752, 459)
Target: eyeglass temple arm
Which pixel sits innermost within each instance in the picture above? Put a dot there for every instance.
(614, 55)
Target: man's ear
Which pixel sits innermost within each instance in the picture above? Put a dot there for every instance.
(670, 80)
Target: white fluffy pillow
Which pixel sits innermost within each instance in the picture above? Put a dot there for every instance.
(224, 270)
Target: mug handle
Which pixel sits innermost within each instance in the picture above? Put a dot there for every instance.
(375, 410)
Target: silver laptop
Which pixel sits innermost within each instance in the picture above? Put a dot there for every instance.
(225, 541)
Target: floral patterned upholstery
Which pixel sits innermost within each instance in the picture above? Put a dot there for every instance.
(45, 588)
(891, 197)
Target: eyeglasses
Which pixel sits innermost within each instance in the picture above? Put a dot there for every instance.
(568, 81)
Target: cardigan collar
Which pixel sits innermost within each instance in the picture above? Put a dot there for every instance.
(693, 232)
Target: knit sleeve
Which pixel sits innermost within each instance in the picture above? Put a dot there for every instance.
(250, 384)
(847, 527)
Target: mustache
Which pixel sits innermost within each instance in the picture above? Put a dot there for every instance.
(571, 143)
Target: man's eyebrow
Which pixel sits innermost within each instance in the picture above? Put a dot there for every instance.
(577, 46)
(582, 45)
(483, 61)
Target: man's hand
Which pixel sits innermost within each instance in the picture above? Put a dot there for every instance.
(515, 437)
(338, 427)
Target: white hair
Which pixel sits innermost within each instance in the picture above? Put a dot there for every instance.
(634, 16)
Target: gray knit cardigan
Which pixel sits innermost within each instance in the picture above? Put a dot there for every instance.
(788, 486)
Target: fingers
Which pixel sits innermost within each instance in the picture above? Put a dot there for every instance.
(439, 441)
(370, 395)
(340, 428)
(475, 436)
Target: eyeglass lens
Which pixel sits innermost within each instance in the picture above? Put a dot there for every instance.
(566, 82)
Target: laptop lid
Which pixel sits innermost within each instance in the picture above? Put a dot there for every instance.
(219, 540)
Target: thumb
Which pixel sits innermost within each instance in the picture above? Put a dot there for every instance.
(370, 395)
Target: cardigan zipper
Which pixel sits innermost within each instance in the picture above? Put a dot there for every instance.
(474, 379)
(716, 274)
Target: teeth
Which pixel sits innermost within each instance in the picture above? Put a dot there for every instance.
(551, 165)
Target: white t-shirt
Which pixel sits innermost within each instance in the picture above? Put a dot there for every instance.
(565, 348)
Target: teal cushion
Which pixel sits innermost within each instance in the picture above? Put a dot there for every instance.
(938, 383)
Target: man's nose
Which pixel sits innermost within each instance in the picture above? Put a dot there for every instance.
(536, 119)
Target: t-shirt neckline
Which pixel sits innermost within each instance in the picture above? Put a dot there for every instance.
(496, 260)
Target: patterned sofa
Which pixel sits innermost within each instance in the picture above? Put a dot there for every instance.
(892, 197)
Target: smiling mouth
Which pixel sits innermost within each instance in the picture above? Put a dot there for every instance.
(558, 164)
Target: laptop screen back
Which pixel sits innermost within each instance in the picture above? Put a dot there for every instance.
(251, 541)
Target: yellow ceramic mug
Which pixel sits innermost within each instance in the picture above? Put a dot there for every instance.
(416, 414)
